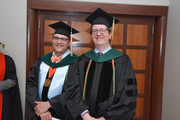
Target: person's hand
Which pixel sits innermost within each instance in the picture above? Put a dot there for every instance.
(101, 118)
(41, 107)
(46, 116)
(86, 116)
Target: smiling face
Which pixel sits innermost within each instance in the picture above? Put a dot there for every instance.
(60, 44)
(101, 36)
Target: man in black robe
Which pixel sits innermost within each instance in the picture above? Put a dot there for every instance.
(45, 94)
(104, 84)
(10, 102)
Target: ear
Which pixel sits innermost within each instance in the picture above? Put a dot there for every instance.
(110, 35)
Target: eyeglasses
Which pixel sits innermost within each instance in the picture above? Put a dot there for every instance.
(102, 31)
(59, 38)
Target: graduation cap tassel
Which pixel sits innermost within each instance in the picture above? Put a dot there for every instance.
(71, 42)
(112, 31)
(3, 45)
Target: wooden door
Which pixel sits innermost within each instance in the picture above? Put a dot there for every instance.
(159, 39)
(133, 36)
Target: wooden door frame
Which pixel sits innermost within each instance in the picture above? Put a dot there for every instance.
(159, 12)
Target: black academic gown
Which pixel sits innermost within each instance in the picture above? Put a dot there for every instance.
(96, 84)
(11, 109)
(32, 94)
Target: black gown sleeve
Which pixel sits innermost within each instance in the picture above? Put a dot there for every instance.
(32, 89)
(11, 78)
(74, 103)
(7, 84)
(122, 105)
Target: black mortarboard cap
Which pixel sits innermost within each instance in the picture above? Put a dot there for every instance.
(99, 16)
(63, 29)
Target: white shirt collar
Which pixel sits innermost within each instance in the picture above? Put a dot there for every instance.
(65, 54)
(104, 51)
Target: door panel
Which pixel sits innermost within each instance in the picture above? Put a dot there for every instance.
(137, 34)
(140, 82)
(138, 58)
(48, 49)
(119, 50)
(140, 108)
(118, 34)
(84, 35)
(132, 36)
(80, 50)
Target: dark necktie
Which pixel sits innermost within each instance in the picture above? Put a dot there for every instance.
(100, 53)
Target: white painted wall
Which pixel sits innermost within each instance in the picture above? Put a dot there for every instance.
(13, 33)
(135, 2)
(171, 91)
